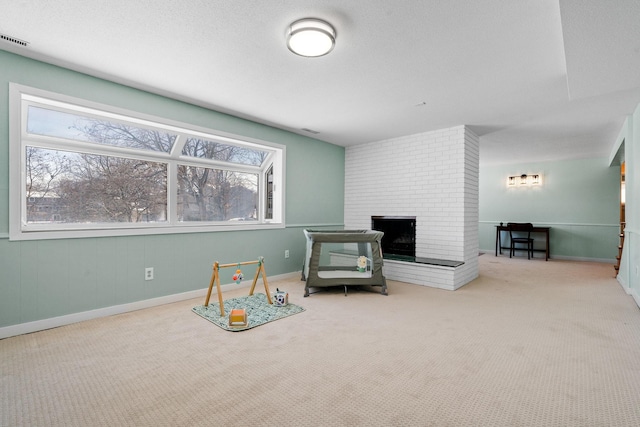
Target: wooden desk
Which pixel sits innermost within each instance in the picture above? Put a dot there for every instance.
(535, 229)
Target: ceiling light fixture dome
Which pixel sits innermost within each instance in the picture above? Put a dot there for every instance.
(311, 37)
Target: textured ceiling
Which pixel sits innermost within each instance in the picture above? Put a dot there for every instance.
(537, 80)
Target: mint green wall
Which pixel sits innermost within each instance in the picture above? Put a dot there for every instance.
(49, 278)
(578, 199)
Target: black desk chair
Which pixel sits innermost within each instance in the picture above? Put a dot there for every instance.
(522, 228)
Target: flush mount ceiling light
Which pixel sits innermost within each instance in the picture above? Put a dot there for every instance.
(311, 37)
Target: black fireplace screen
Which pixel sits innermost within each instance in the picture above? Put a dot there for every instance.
(399, 234)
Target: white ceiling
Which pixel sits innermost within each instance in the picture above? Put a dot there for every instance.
(537, 80)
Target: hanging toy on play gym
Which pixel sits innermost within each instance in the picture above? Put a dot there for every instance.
(238, 276)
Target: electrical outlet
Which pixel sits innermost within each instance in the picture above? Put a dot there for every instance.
(286, 253)
(148, 273)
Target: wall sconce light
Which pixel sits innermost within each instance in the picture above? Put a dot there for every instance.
(524, 180)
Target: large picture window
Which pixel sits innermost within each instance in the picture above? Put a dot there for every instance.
(80, 169)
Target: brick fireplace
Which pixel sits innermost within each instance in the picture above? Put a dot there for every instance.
(432, 177)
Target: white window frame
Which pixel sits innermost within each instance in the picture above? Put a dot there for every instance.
(20, 97)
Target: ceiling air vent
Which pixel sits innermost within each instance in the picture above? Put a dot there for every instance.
(13, 40)
(315, 132)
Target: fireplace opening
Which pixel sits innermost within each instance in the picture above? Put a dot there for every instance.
(399, 234)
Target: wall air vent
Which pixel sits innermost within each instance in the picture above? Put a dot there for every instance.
(13, 40)
(315, 132)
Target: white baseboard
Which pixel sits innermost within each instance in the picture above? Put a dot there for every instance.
(54, 322)
(628, 290)
(623, 284)
(562, 257)
(636, 297)
(574, 258)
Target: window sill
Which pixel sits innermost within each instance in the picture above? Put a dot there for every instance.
(140, 231)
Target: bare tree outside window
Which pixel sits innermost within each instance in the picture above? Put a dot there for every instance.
(122, 135)
(44, 168)
(96, 188)
(47, 122)
(208, 194)
(215, 150)
(113, 189)
(85, 188)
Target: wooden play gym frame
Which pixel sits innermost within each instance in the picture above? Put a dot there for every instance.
(215, 278)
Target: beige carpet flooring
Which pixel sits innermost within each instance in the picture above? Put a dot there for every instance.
(529, 343)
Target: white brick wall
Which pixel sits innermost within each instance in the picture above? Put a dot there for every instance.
(432, 176)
